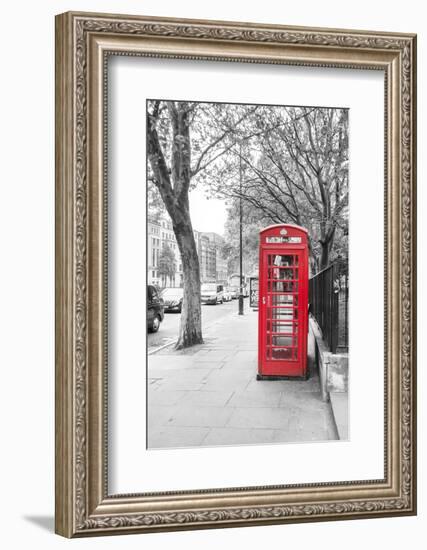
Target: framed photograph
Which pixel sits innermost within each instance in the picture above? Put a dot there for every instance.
(235, 274)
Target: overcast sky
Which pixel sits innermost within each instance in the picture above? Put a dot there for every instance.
(207, 215)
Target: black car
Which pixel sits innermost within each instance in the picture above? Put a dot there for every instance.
(172, 299)
(155, 311)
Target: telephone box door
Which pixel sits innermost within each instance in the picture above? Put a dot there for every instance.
(283, 317)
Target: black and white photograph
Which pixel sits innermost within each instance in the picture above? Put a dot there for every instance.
(247, 273)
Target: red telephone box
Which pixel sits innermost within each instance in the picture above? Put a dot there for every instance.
(283, 303)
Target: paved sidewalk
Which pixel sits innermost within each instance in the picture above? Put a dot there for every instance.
(208, 395)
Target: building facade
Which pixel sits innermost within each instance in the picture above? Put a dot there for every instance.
(213, 268)
(153, 251)
(221, 268)
(160, 234)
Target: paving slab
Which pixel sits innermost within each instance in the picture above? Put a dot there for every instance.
(206, 417)
(176, 437)
(254, 399)
(206, 398)
(302, 400)
(245, 358)
(216, 383)
(291, 435)
(179, 384)
(211, 355)
(197, 374)
(162, 398)
(157, 362)
(208, 363)
(229, 376)
(259, 417)
(265, 386)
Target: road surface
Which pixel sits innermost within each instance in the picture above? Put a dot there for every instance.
(168, 331)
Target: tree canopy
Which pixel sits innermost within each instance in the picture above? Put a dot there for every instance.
(295, 170)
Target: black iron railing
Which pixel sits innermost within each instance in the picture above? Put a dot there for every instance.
(329, 304)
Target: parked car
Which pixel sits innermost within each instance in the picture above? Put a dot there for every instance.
(212, 293)
(234, 291)
(172, 299)
(227, 294)
(155, 311)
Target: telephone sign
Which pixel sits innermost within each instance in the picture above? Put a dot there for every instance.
(283, 302)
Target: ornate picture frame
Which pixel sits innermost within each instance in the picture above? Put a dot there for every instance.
(83, 43)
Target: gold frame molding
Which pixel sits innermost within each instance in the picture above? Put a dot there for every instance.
(83, 43)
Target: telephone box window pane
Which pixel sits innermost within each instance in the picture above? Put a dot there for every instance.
(280, 299)
(288, 328)
(284, 318)
(282, 286)
(284, 300)
(283, 354)
(283, 273)
(283, 341)
(290, 286)
(281, 313)
(280, 260)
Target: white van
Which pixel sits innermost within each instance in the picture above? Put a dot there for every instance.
(212, 293)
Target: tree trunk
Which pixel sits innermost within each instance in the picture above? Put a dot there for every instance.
(190, 328)
(326, 244)
(324, 257)
(175, 199)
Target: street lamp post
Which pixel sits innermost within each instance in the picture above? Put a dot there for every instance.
(241, 234)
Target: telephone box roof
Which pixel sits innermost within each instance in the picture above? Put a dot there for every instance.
(288, 226)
